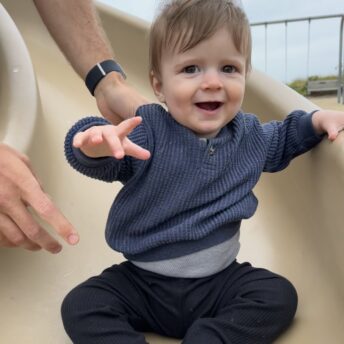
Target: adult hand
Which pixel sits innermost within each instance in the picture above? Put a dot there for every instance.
(116, 100)
(20, 189)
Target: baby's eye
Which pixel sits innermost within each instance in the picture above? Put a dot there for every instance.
(191, 69)
(229, 69)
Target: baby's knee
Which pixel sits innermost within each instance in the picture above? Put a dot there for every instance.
(73, 307)
(285, 299)
(67, 310)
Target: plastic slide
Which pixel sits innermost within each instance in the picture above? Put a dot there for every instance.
(297, 231)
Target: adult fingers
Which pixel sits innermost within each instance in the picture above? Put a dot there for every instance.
(32, 194)
(4, 242)
(19, 188)
(12, 236)
(45, 208)
(14, 163)
(28, 164)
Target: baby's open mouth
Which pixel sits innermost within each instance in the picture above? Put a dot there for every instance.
(209, 106)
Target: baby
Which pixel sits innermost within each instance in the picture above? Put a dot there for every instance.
(188, 174)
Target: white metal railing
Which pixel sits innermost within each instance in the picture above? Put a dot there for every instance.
(265, 24)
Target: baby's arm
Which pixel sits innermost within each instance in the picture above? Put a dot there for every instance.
(328, 122)
(89, 148)
(110, 140)
(287, 139)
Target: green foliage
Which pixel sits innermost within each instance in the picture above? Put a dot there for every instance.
(299, 85)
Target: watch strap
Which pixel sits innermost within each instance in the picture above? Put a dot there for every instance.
(99, 71)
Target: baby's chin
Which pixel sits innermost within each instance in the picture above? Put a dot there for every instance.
(206, 134)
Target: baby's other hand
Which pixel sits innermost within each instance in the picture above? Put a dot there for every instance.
(110, 140)
(328, 121)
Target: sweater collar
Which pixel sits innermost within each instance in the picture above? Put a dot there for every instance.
(233, 131)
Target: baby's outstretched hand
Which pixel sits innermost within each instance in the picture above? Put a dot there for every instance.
(328, 121)
(110, 140)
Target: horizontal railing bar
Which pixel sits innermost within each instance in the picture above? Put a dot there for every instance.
(283, 21)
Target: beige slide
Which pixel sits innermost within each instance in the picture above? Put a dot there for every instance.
(298, 230)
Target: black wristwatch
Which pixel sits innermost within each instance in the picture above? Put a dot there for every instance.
(100, 70)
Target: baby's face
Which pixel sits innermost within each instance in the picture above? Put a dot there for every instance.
(203, 87)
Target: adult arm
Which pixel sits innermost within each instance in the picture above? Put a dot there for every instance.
(20, 189)
(76, 28)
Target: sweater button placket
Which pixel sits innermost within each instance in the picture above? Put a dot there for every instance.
(211, 151)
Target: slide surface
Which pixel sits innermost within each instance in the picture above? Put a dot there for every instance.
(297, 231)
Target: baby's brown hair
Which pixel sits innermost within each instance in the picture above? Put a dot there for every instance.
(182, 24)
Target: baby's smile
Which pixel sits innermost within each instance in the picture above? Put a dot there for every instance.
(209, 106)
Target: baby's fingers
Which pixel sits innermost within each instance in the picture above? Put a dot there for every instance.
(127, 126)
(332, 132)
(114, 144)
(78, 140)
(135, 150)
(90, 137)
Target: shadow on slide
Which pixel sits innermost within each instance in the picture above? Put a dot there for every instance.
(297, 231)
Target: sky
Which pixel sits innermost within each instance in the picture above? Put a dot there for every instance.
(284, 62)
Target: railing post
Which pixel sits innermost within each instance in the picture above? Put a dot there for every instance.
(286, 53)
(308, 46)
(266, 47)
(340, 91)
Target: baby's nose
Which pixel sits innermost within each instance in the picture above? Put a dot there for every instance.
(211, 80)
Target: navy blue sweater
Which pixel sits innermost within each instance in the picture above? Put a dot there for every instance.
(191, 194)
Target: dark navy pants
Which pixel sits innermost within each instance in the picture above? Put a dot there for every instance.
(240, 304)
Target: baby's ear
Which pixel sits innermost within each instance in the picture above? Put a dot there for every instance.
(157, 87)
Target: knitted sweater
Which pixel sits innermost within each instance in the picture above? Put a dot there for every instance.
(191, 194)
